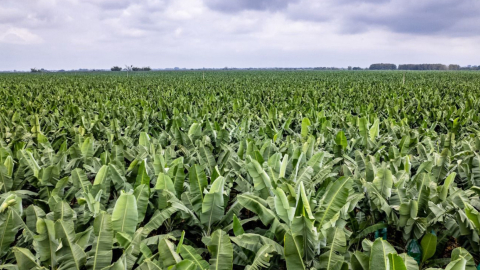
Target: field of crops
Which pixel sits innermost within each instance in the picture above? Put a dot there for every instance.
(240, 170)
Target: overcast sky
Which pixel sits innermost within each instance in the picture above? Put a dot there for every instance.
(68, 34)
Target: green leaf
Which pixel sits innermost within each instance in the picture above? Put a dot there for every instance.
(117, 177)
(261, 181)
(429, 246)
(132, 251)
(195, 132)
(198, 180)
(363, 130)
(185, 265)
(178, 175)
(237, 226)
(45, 242)
(304, 201)
(101, 252)
(258, 206)
(206, 157)
(164, 183)
(158, 219)
(374, 130)
(409, 261)
(336, 247)
(462, 254)
(120, 264)
(71, 255)
(144, 140)
(302, 226)
(305, 124)
(149, 265)
(384, 181)
(221, 251)
(125, 214)
(446, 186)
(396, 262)
(82, 239)
(378, 254)
(9, 166)
(7, 235)
(293, 252)
(473, 215)
(333, 200)
(189, 253)
(142, 195)
(80, 180)
(359, 261)
(213, 205)
(459, 264)
(142, 175)
(254, 242)
(6, 181)
(25, 259)
(341, 140)
(423, 190)
(168, 256)
(262, 258)
(87, 148)
(198, 183)
(180, 242)
(123, 239)
(100, 178)
(282, 206)
(283, 166)
(370, 229)
(63, 211)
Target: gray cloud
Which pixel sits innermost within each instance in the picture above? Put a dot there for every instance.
(110, 4)
(241, 5)
(422, 17)
(426, 17)
(214, 33)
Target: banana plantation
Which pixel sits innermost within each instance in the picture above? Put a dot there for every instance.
(240, 170)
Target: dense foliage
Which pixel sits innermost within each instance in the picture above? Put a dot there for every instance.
(427, 67)
(221, 170)
(383, 66)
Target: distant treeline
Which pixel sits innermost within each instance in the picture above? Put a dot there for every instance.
(422, 67)
(130, 68)
(383, 66)
(388, 66)
(37, 70)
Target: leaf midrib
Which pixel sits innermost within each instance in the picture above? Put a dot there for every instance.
(331, 201)
(98, 242)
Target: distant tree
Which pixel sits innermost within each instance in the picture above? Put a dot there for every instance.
(357, 68)
(453, 67)
(38, 70)
(141, 68)
(422, 67)
(470, 67)
(382, 66)
(116, 68)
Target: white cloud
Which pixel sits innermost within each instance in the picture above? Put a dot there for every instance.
(19, 36)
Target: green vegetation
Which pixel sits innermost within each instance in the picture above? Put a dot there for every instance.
(240, 170)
